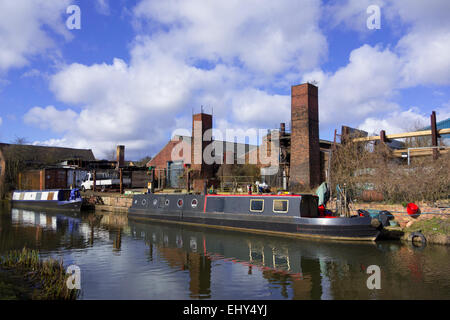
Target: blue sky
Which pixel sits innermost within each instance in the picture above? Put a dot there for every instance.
(136, 70)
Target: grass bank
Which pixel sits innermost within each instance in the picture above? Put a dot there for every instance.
(435, 230)
(24, 276)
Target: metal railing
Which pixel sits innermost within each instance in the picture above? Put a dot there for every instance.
(421, 148)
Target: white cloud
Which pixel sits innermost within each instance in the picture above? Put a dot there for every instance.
(265, 36)
(361, 88)
(424, 48)
(260, 108)
(363, 92)
(426, 58)
(224, 55)
(50, 118)
(396, 122)
(23, 30)
(32, 73)
(352, 14)
(138, 103)
(135, 104)
(404, 121)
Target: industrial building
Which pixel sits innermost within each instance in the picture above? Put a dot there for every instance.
(300, 157)
(30, 167)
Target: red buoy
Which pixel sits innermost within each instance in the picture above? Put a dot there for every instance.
(412, 209)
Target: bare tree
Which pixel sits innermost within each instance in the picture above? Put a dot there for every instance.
(20, 140)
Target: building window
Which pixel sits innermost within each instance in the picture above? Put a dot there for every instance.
(280, 206)
(256, 205)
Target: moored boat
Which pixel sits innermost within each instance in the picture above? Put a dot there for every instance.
(287, 215)
(61, 199)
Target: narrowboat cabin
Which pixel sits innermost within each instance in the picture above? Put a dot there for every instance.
(62, 199)
(289, 215)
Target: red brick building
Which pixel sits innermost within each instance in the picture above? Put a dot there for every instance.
(298, 156)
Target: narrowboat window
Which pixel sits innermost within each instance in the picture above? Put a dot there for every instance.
(22, 196)
(180, 203)
(256, 205)
(167, 202)
(50, 196)
(280, 206)
(155, 202)
(38, 195)
(194, 203)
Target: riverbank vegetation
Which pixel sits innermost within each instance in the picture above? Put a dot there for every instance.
(23, 275)
(433, 226)
(365, 168)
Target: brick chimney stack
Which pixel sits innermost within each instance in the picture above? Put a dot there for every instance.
(201, 122)
(120, 151)
(305, 147)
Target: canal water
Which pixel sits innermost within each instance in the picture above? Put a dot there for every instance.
(121, 258)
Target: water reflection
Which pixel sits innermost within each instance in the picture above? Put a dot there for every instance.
(126, 259)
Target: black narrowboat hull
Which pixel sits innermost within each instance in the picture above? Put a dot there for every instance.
(167, 208)
(47, 205)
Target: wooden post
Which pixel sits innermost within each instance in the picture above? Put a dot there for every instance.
(165, 178)
(188, 180)
(383, 136)
(434, 135)
(121, 180)
(345, 133)
(153, 179)
(95, 180)
(42, 179)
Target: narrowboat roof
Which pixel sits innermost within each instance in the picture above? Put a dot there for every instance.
(46, 190)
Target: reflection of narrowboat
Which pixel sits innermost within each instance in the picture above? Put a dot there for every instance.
(61, 199)
(291, 215)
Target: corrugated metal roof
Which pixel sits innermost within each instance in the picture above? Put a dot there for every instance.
(444, 124)
(41, 154)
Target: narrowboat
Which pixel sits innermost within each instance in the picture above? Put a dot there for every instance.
(287, 215)
(61, 199)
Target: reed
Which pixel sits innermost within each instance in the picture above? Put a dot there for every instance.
(48, 276)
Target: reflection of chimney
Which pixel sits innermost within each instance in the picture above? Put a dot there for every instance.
(120, 156)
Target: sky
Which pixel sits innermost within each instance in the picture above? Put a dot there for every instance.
(135, 70)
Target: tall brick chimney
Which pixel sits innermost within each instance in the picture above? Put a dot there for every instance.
(201, 122)
(305, 148)
(120, 151)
